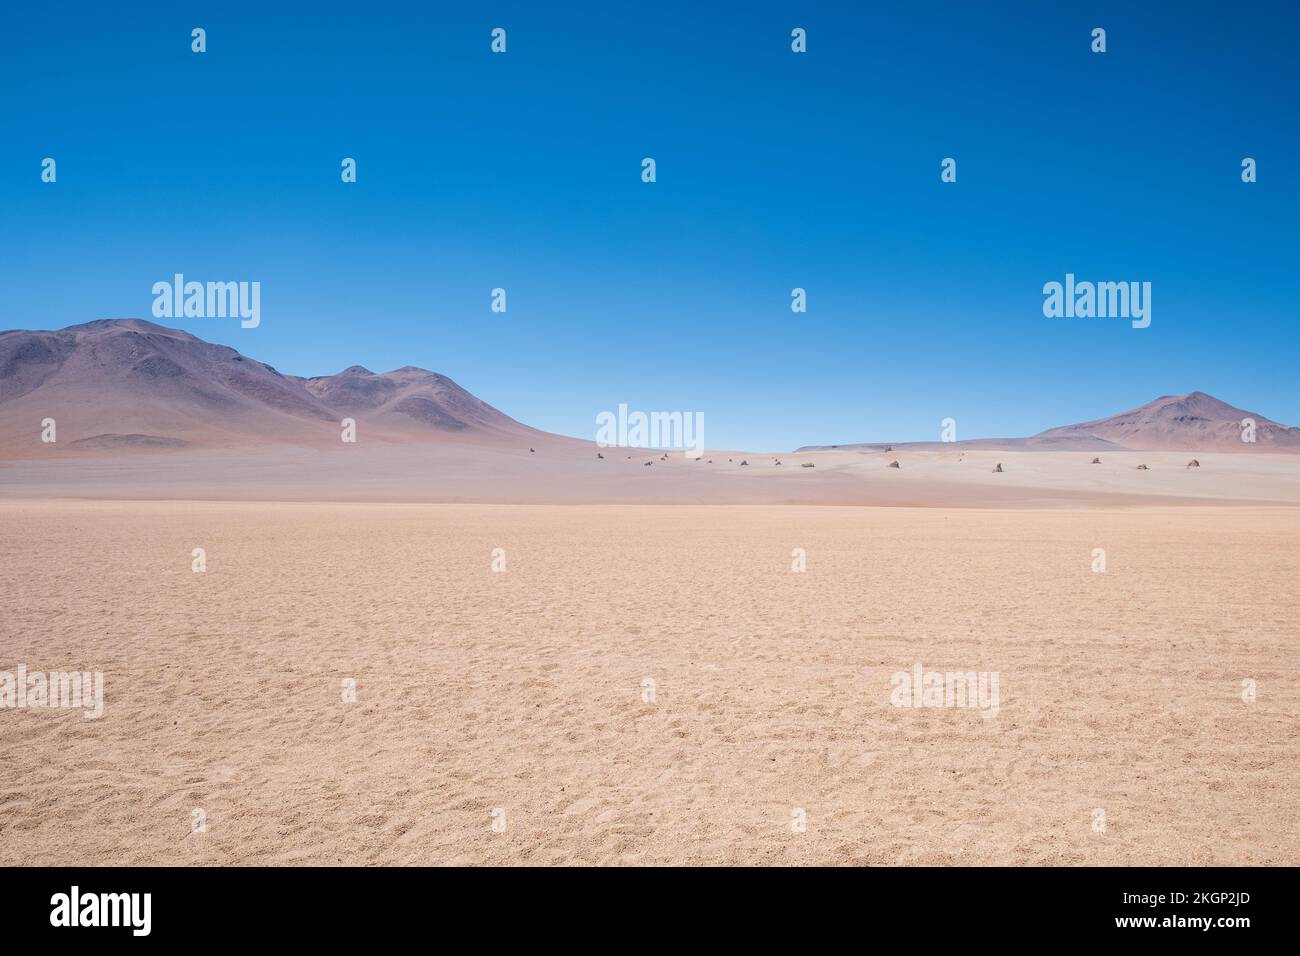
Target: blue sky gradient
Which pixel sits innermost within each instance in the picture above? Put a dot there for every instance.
(775, 170)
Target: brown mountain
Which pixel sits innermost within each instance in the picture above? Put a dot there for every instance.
(1191, 422)
(123, 383)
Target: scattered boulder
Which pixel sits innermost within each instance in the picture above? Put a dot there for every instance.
(532, 450)
(743, 461)
(894, 464)
(1193, 464)
(1143, 468)
(807, 464)
(1096, 461)
(599, 455)
(649, 463)
(997, 469)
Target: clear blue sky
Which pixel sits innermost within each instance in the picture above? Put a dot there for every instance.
(775, 170)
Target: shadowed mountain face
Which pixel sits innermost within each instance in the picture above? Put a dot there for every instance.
(1192, 422)
(124, 383)
(410, 395)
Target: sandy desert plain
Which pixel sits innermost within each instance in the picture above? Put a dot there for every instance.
(646, 679)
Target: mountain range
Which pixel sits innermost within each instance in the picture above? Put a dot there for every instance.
(117, 384)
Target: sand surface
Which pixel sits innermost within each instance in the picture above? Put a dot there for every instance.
(566, 471)
(524, 691)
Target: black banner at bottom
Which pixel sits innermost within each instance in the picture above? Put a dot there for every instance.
(335, 906)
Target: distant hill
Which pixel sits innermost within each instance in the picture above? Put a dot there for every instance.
(1192, 422)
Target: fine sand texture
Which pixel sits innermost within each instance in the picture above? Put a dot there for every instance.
(651, 685)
